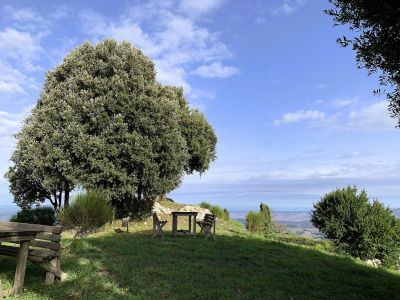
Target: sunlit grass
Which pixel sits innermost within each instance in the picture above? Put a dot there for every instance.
(110, 265)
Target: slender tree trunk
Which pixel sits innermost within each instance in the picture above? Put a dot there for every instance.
(66, 196)
(60, 198)
(55, 204)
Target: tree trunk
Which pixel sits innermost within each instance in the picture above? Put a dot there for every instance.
(60, 199)
(66, 196)
(55, 203)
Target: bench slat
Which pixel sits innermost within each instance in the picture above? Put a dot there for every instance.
(46, 245)
(34, 254)
(44, 228)
(48, 237)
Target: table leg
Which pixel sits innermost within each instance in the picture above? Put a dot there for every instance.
(190, 224)
(21, 267)
(174, 225)
(194, 225)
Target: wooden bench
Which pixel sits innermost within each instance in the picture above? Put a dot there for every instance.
(207, 225)
(44, 250)
(158, 226)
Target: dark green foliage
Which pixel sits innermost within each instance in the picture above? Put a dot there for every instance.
(89, 211)
(205, 204)
(39, 215)
(103, 122)
(226, 214)
(376, 40)
(268, 223)
(170, 200)
(254, 222)
(357, 227)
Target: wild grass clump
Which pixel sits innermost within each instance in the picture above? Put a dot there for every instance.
(216, 210)
(254, 222)
(40, 215)
(89, 211)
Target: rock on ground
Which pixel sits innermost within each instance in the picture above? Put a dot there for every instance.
(159, 209)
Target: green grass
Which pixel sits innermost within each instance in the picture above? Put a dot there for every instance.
(237, 265)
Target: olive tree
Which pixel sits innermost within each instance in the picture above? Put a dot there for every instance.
(375, 38)
(103, 121)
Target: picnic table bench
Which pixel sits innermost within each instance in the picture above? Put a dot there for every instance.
(44, 251)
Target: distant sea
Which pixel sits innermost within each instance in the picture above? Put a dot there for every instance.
(7, 211)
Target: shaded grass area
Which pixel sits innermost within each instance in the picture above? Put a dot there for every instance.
(236, 266)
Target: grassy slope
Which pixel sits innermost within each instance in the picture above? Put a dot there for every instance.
(111, 265)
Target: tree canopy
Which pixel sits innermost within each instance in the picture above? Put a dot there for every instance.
(376, 40)
(104, 122)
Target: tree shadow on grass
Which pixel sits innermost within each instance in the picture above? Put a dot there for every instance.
(134, 266)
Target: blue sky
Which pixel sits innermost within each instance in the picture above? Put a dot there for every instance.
(294, 116)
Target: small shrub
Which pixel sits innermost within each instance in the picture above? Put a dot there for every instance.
(39, 215)
(205, 205)
(254, 222)
(221, 213)
(268, 227)
(226, 214)
(88, 212)
(357, 227)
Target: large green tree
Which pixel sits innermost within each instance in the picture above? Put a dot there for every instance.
(375, 37)
(104, 122)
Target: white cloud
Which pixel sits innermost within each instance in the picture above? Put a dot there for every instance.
(23, 15)
(216, 70)
(300, 115)
(287, 7)
(169, 34)
(10, 122)
(14, 82)
(343, 102)
(20, 47)
(196, 7)
(374, 117)
(26, 18)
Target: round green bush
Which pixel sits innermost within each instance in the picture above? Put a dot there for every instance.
(39, 215)
(358, 227)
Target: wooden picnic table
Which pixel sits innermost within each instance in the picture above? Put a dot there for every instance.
(192, 224)
(22, 234)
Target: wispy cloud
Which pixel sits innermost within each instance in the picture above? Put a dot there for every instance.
(343, 102)
(300, 115)
(374, 117)
(170, 33)
(216, 70)
(287, 7)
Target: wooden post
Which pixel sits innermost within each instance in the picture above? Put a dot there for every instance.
(190, 224)
(21, 267)
(49, 275)
(174, 224)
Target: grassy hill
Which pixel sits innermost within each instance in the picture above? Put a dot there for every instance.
(110, 265)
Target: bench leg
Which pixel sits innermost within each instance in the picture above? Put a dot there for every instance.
(21, 267)
(49, 275)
